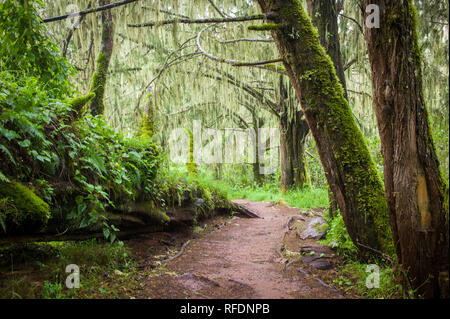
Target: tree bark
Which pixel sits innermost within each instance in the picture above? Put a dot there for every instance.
(416, 192)
(348, 166)
(324, 16)
(99, 78)
(293, 132)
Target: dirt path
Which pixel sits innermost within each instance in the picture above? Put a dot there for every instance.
(238, 260)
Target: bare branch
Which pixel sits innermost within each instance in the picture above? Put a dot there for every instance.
(259, 64)
(243, 63)
(199, 21)
(354, 20)
(217, 9)
(74, 27)
(167, 12)
(186, 109)
(247, 40)
(84, 12)
(349, 64)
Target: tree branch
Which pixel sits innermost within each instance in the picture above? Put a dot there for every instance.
(259, 64)
(247, 39)
(84, 12)
(354, 20)
(217, 9)
(74, 27)
(198, 21)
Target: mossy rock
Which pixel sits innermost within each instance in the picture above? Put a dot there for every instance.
(23, 210)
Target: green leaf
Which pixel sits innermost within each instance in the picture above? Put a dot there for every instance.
(7, 152)
(106, 232)
(24, 143)
(83, 223)
(3, 224)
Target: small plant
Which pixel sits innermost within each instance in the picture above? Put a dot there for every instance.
(52, 290)
(337, 235)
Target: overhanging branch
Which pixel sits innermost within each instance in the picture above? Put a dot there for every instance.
(198, 21)
(84, 12)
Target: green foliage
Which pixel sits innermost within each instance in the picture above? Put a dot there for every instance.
(354, 276)
(97, 261)
(26, 50)
(80, 168)
(337, 235)
(237, 186)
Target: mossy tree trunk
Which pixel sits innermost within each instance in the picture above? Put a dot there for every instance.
(416, 192)
(191, 166)
(349, 169)
(148, 123)
(324, 16)
(99, 78)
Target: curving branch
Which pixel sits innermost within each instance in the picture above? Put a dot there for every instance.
(354, 20)
(258, 64)
(70, 34)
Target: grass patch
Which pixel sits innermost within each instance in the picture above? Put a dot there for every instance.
(39, 270)
(308, 198)
(360, 279)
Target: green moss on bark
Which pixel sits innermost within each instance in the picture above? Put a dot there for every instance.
(77, 103)
(264, 27)
(147, 129)
(25, 210)
(191, 165)
(98, 84)
(352, 171)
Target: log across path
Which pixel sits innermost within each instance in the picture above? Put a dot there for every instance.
(239, 260)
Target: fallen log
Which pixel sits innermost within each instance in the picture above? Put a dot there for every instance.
(21, 239)
(247, 212)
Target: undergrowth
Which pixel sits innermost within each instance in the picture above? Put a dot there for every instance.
(106, 270)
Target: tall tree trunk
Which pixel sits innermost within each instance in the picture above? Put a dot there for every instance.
(416, 192)
(348, 166)
(99, 78)
(293, 132)
(257, 123)
(148, 123)
(324, 16)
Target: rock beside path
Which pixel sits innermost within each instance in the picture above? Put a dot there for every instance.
(316, 229)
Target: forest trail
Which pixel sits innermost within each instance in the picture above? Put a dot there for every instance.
(241, 259)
